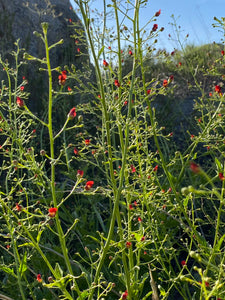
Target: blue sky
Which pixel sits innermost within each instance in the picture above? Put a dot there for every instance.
(194, 16)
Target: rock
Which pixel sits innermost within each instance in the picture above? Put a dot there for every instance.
(19, 19)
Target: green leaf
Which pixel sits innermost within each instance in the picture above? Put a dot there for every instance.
(218, 164)
(162, 291)
(39, 236)
(218, 246)
(8, 270)
(58, 271)
(137, 236)
(23, 264)
(100, 52)
(26, 244)
(83, 295)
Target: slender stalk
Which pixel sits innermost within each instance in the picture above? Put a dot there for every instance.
(52, 155)
(116, 190)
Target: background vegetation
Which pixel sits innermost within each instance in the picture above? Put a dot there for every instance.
(122, 196)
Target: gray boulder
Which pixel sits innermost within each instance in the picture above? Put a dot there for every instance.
(20, 18)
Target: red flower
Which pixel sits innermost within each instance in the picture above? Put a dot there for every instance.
(62, 78)
(19, 102)
(80, 173)
(131, 206)
(70, 20)
(89, 185)
(221, 176)
(210, 94)
(116, 82)
(87, 142)
(155, 168)
(52, 212)
(125, 102)
(139, 219)
(155, 27)
(165, 83)
(39, 279)
(124, 295)
(72, 114)
(222, 52)
(130, 52)
(148, 92)
(76, 152)
(105, 64)
(22, 88)
(18, 207)
(158, 13)
(171, 78)
(180, 64)
(128, 244)
(143, 238)
(78, 50)
(218, 89)
(183, 263)
(133, 170)
(69, 89)
(194, 168)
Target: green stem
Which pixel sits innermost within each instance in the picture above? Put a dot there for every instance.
(17, 261)
(116, 190)
(52, 154)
